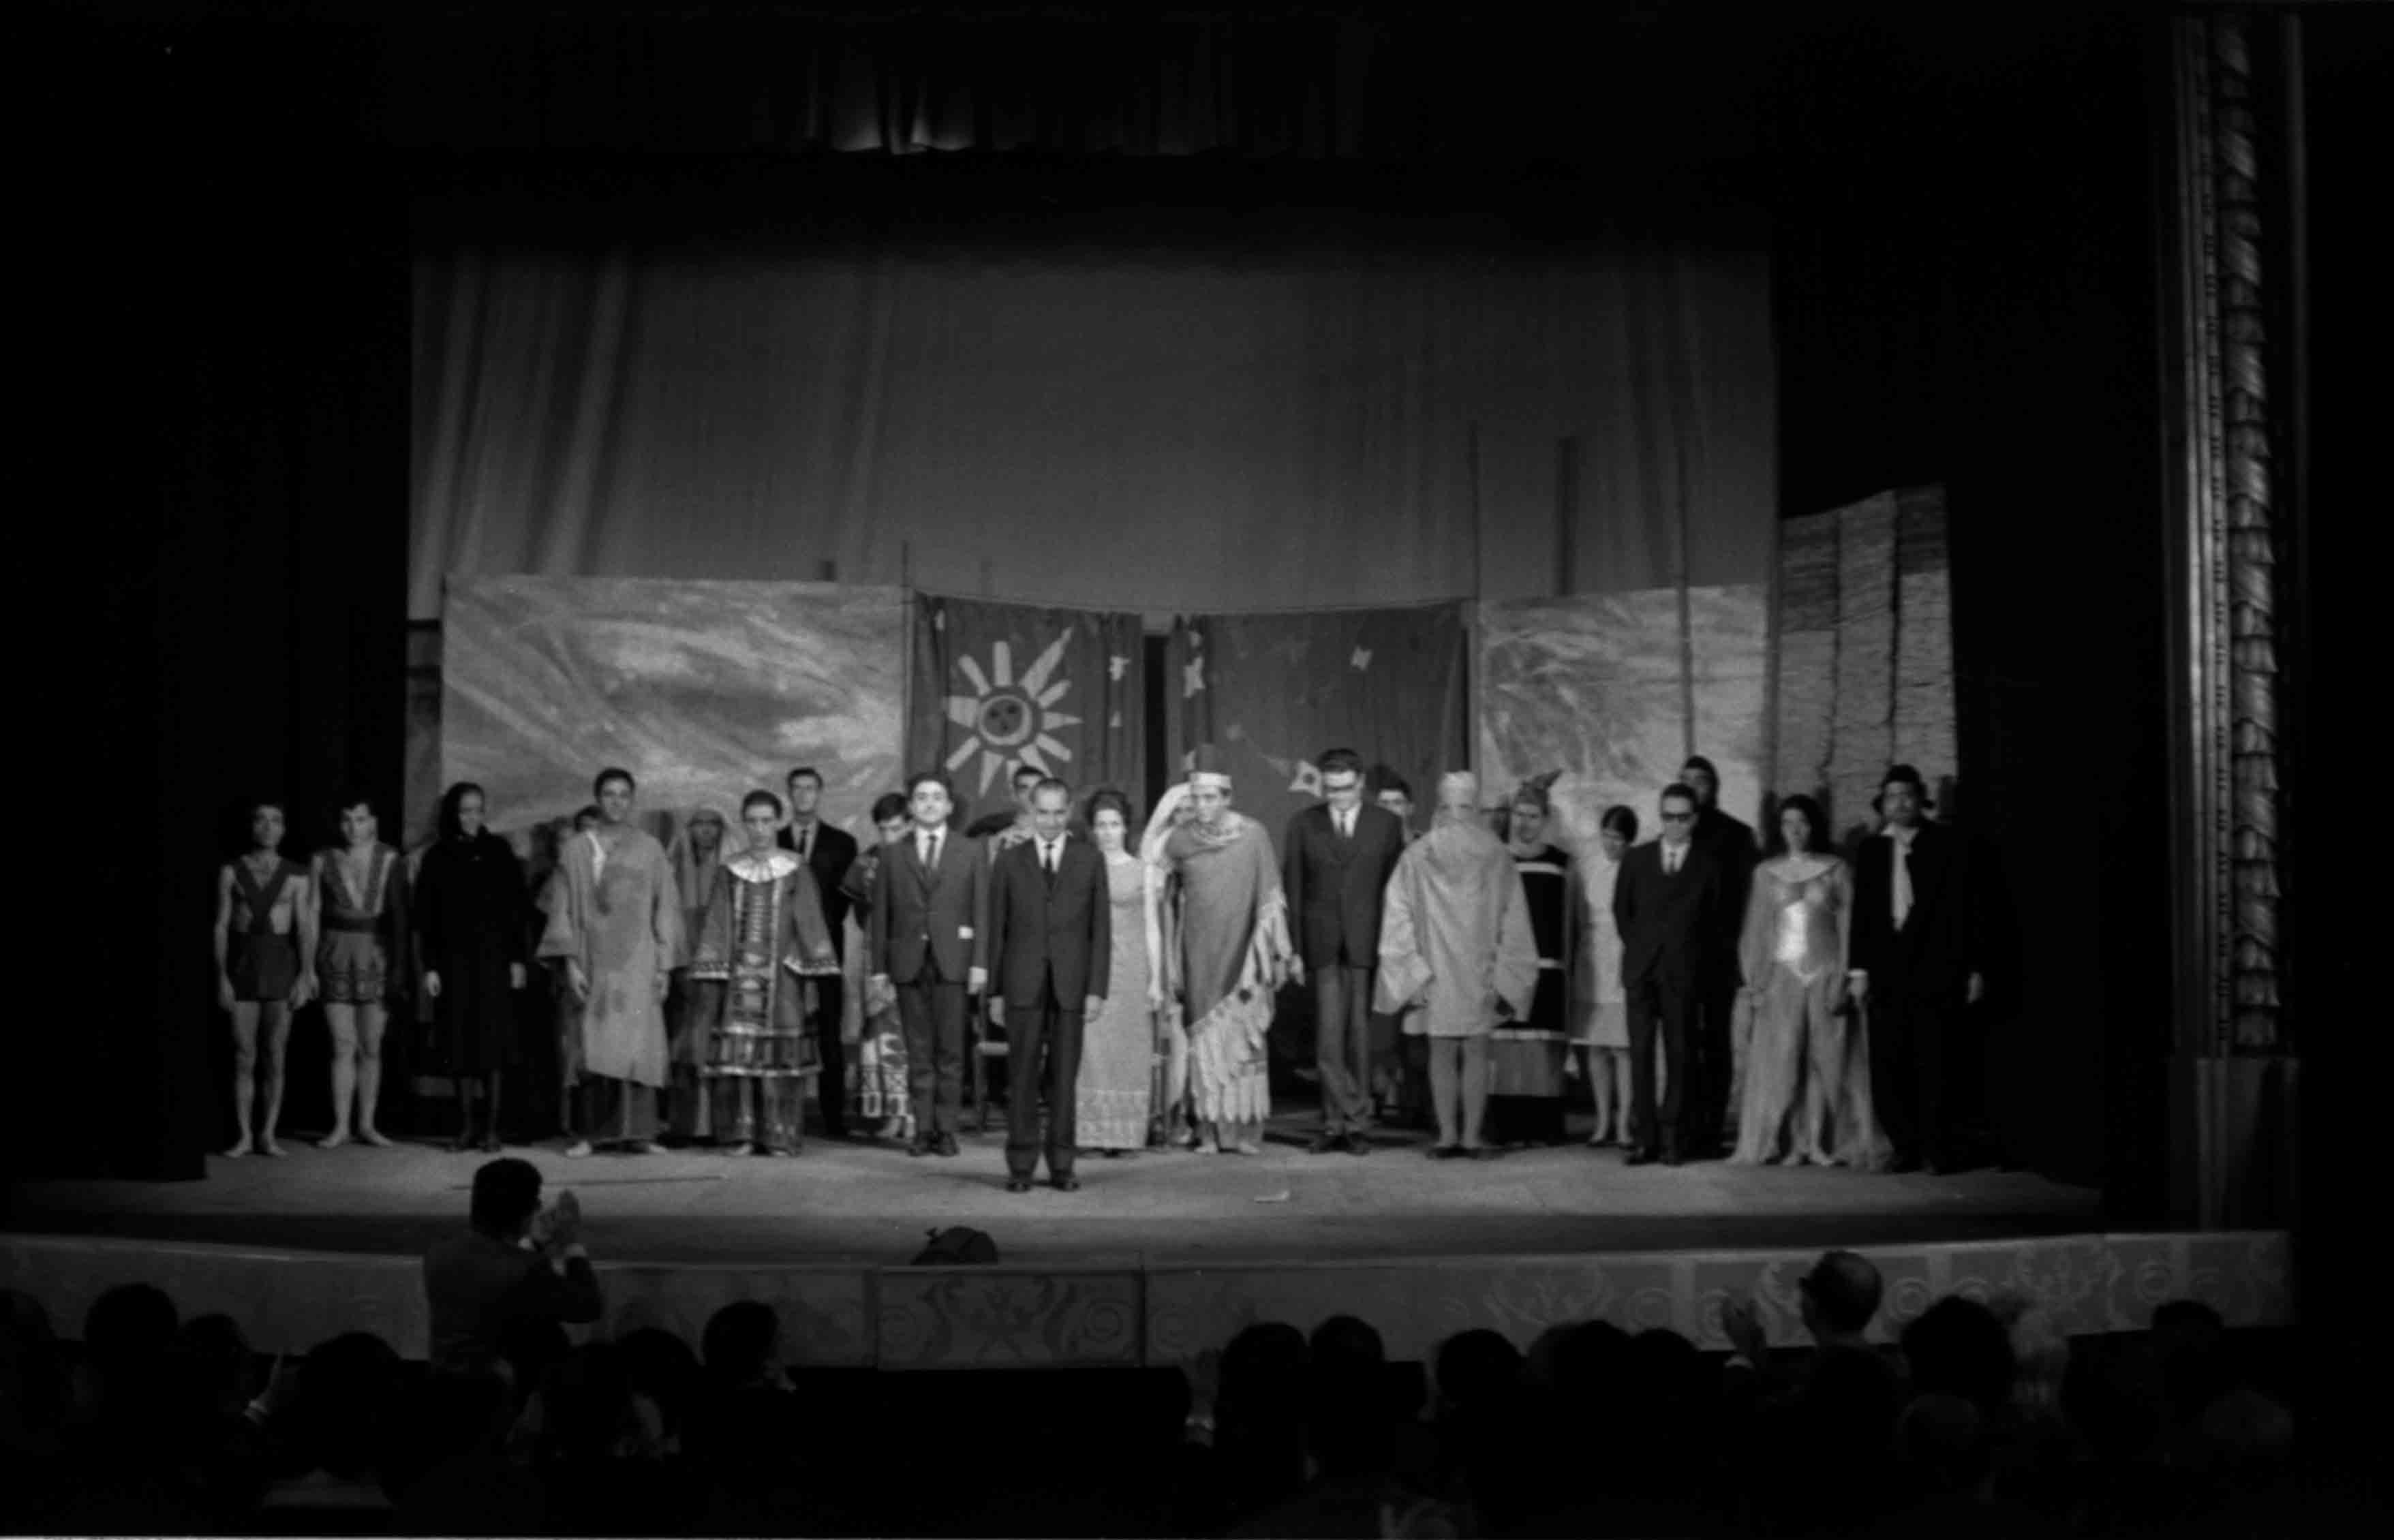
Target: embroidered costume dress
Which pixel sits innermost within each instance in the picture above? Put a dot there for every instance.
(1116, 1091)
(1525, 1058)
(262, 962)
(762, 942)
(363, 929)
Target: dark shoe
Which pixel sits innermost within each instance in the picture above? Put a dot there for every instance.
(1479, 1152)
(1446, 1151)
(1643, 1155)
(1017, 1184)
(918, 1146)
(492, 1144)
(1065, 1183)
(946, 1146)
(1326, 1143)
(1670, 1156)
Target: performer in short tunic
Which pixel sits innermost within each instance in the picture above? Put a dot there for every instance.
(1526, 1058)
(361, 963)
(1230, 955)
(1115, 1093)
(761, 944)
(264, 933)
(616, 923)
(469, 912)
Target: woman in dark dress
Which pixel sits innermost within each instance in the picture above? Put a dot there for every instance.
(1526, 1059)
(469, 906)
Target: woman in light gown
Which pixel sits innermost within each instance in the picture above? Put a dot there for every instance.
(877, 1087)
(1115, 1089)
(1601, 1027)
(1808, 1076)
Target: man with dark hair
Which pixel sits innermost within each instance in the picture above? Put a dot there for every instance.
(265, 939)
(1915, 967)
(1336, 860)
(518, 1267)
(1666, 902)
(828, 851)
(1718, 1053)
(1050, 943)
(930, 941)
(617, 922)
(1395, 792)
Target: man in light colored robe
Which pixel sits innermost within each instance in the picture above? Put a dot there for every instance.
(615, 921)
(1228, 960)
(1457, 954)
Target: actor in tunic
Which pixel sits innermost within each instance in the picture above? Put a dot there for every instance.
(470, 915)
(1526, 1058)
(1231, 956)
(265, 939)
(361, 962)
(615, 923)
(1115, 1093)
(1457, 954)
(877, 1091)
(1600, 1012)
(1806, 1096)
(761, 947)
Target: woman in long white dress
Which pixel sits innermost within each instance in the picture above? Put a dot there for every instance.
(1115, 1090)
(1600, 1027)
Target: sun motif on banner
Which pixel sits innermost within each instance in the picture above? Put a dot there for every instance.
(1005, 718)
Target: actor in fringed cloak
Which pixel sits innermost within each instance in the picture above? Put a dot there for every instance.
(1228, 956)
(613, 911)
(1457, 954)
(761, 946)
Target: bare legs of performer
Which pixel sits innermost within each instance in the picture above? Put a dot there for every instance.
(247, 1017)
(357, 1071)
(1458, 1091)
(1608, 1081)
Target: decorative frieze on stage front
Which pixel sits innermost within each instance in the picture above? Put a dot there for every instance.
(703, 690)
(1155, 1307)
(1617, 690)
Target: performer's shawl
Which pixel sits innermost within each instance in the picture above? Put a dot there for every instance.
(1456, 929)
(1233, 945)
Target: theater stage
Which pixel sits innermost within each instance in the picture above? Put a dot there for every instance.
(1157, 1256)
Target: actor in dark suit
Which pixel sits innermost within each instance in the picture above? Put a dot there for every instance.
(1918, 932)
(1716, 1080)
(1666, 902)
(516, 1267)
(1050, 943)
(1334, 863)
(929, 937)
(828, 852)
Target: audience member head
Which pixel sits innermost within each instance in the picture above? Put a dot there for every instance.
(2190, 1348)
(1351, 1420)
(461, 1412)
(1942, 1439)
(132, 1324)
(662, 1367)
(1699, 776)
(463, 809)
(215, 1356)
(1476, 1372)
(1840, 1295)
(1803, 829)
(343, 1410)
(1616, 831)
(742, 1344)
(590, 1414)
(507, 1197)
(1957, 1348)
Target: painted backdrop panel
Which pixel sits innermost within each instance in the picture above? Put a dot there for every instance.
(702, 690)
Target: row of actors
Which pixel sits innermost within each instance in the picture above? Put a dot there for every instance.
(1128, 981)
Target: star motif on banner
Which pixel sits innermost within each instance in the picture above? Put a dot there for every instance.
(1117, 666)
(1361, 660)
(1192, 676)
(1008, 719)
(1303, 776)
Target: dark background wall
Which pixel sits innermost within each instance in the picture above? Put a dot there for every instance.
(1966, 292)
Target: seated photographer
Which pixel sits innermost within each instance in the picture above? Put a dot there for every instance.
(519, 1265)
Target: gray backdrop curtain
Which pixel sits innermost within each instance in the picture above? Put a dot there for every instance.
(1326, 423)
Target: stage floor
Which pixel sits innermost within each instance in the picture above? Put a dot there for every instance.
(869, 1204)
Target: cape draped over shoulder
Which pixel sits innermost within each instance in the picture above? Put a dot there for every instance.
(1455, 934)
(1233, 950)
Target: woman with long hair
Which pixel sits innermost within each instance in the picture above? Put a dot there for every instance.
(1115, 1086)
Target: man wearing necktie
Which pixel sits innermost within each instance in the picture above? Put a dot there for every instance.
(1915, 960)
(828, 851)
(1051, 944)
(1667, 905)
(929, 939)
(1336, 860)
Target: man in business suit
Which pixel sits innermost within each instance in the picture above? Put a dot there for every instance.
(1334, 863)
(929, 937)
(1666, 903)
(1050, 944)
(828, 852)
(1918, 934)
(1719, 1058)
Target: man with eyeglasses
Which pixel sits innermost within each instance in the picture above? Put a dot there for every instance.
(1666, 903)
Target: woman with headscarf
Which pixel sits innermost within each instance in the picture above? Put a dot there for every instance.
(471, 935)
(696, 854)
(1526, 1058)
(1457, 954)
